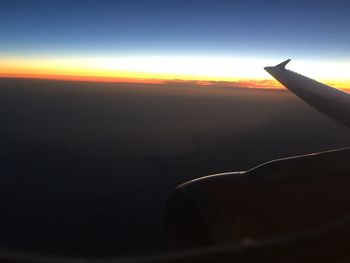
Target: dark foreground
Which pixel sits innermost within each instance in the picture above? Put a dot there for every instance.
(86, 168)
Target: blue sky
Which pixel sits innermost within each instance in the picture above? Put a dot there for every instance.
(187, 40)
(308, 29)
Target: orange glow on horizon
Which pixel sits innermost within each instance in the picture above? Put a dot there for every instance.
(262, 84)
(83, 78)
(159, 70)
(244, 83)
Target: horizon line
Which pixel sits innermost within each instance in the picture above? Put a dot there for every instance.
(243, 83)
(240, 83)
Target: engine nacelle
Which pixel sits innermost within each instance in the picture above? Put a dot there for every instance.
(297, 197)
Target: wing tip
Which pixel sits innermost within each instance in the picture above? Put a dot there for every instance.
(283, 64)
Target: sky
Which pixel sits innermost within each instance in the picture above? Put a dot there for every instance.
(175, 40)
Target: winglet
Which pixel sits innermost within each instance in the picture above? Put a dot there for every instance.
(283, 64)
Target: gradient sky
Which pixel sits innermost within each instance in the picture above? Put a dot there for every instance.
(196, 40)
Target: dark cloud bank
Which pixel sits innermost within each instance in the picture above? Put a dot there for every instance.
(86, 168)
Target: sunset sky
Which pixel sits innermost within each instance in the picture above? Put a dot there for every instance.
(157, 41)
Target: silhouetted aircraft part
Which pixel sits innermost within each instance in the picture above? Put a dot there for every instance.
(330, 101)
(303, 200)
(283, 64)
(287, 210)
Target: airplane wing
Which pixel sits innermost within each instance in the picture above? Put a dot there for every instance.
(330, 101)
